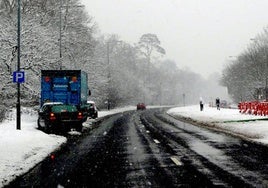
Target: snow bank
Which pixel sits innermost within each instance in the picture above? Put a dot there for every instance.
(253, 127)
(23, 149)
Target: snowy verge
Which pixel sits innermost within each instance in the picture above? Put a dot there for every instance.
(252, 127)
(22, 149)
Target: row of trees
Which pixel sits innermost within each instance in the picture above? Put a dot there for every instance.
(246, 76)
(59, 34)
(42, 22)
(126, 74)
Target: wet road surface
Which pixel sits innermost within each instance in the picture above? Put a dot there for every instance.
(151, 149)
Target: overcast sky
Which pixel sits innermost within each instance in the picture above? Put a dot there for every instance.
(199, 34)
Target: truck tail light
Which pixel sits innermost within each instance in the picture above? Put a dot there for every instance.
(74, 79)
(52, 116)
(47, 79)
(80, 115)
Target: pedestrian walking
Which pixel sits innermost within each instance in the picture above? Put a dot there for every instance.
(218, 103)
(201, 104)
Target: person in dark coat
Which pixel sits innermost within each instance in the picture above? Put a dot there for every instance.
(201, 104)
(218, 103)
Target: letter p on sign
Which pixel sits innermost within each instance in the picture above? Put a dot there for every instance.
(18, 77)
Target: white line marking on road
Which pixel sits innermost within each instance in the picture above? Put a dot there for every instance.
(176, 161)
(156, 141)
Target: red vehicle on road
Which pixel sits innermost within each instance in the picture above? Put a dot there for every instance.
(141, 106)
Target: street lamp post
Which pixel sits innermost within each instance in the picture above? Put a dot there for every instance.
(265, 73)
(265, 67)
(109, 71)
(18, 69)
(183, 98)
(266, 95)
(60, 34)
(109, 75)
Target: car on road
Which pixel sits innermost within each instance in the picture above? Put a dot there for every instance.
(59, 117)
(141, 106)
(92, 111)
(224, 104)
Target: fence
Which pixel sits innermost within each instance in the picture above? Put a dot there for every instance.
(254, 108)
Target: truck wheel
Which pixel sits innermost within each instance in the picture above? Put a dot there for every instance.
(79, 127)
(95, 115)
(67, 128)
(47, 129)
(38, 124)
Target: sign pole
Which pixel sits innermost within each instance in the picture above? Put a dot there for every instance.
(18, 69)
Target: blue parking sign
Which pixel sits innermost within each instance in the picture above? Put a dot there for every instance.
(18, 76)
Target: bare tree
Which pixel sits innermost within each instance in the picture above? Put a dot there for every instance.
(149, 43)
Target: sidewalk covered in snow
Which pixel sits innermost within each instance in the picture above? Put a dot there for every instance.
(252, 127)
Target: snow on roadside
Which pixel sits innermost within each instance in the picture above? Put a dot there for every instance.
(251, 126)
(23, 149)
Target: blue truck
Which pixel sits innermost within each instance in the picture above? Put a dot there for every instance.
(67, 86)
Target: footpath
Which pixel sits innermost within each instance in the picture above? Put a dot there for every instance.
(251, 127)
